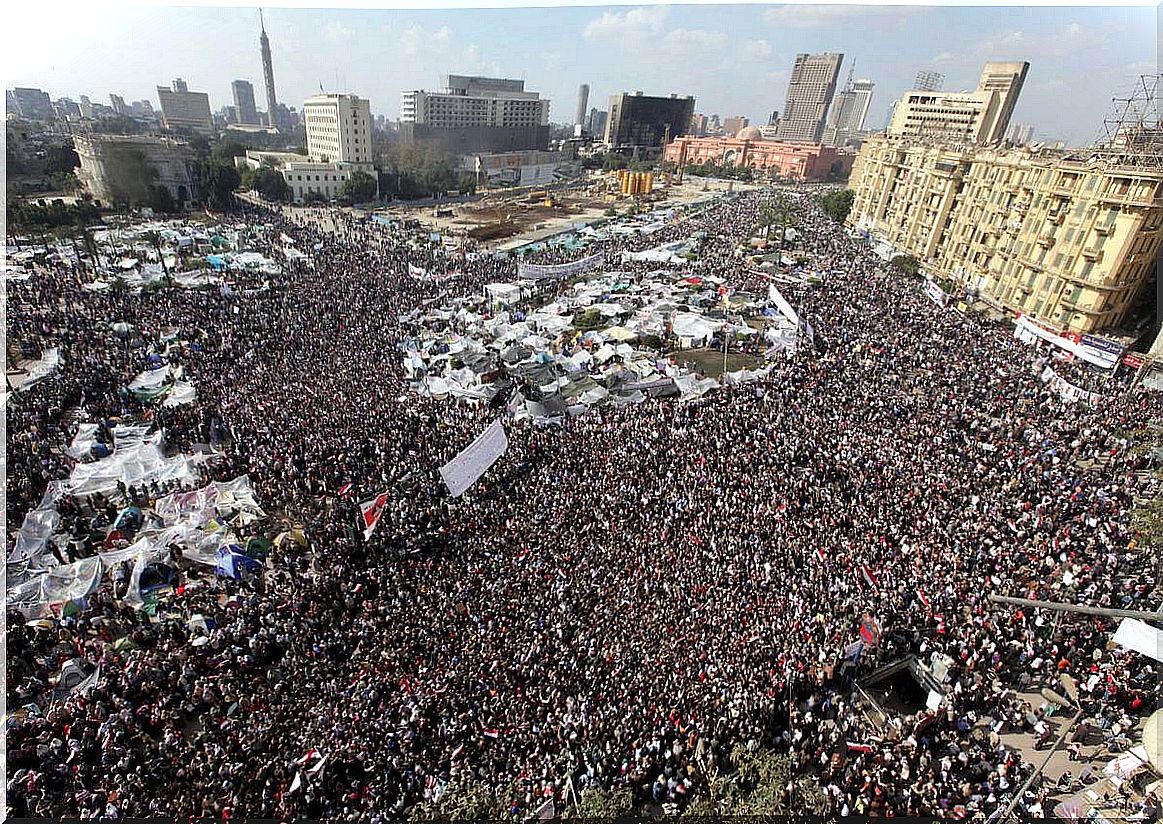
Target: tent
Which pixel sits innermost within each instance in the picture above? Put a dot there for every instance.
(232, 562)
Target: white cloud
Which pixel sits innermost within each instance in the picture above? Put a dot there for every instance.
(628, 28)
(754, 50)
(1064, 42)
(694, 39)
(944, 59)
(551, 60)
(814, 16)
(415, 40)
(336, 32)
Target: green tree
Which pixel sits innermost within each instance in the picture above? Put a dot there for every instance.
(600, 803)
(271, 184)
(360, 187)
(837, 205)
(907, 264)
(219, 180)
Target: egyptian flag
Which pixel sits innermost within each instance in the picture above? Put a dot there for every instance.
(869, 578)
(311, 753)
(921, 597)
(343, 490)
(820, 555)
(371, 511)
(855, 747)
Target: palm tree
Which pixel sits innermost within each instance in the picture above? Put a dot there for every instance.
(155, 239)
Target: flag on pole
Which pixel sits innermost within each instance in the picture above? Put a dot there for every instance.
(370, 512)
(866, 573)
(343, 490)
(921, 597)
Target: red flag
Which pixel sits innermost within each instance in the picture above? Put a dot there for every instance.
(820, 555)
(868, 576)
(924, 600)
(343, 490)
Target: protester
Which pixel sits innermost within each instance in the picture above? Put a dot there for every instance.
(619, 602)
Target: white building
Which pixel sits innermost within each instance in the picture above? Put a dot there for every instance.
(120, 168)
(339, 129)
(303, 175)
(475, 101)
(980, 116)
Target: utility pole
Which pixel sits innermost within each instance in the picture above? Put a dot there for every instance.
(1100, 612)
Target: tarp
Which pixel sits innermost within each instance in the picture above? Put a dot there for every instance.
(83, 441)
(463, 471)
(39, 369)
(183, 392)
(1140, 637)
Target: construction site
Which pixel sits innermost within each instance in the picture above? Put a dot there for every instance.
(509, 218)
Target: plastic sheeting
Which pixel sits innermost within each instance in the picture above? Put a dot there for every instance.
(183, 392)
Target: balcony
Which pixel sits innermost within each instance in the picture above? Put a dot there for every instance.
(1092, 253)
(1046, 239)
(1056, 217)
(1104, 229)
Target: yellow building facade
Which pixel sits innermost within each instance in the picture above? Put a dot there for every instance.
(1071, 242)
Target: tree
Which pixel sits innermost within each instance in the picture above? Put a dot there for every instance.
(907, 264)
(219, 180)
(360, 187)
(837, 205)
(161, 201)
(314, 198)
(600, 803)
(271, 184)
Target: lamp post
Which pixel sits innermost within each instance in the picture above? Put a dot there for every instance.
(1053, 697)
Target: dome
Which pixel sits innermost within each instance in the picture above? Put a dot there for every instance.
(749, 133)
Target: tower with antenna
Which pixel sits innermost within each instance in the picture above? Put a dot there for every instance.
(268, 73)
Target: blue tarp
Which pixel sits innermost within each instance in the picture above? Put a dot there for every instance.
(216, 262)
(232, 562)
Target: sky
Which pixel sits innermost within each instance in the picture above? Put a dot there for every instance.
(734, 59)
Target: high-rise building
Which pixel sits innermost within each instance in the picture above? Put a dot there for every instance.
(1006, 79)
(637, 120)
(733, 125)
(699, 124)
(476, 114)
(977, 117)
(1068, 239)
(1021, 133)
(339, 129)
(809, 94)
(596, 123)
(848, 112)
(118, 103)
(245, 110)
(583, 100)
(929, 81)
(182, 108)
(268, 74)
(67, 109)
(32, 104)
(86, 106)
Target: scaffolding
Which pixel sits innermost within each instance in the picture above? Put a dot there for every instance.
(1131, 134)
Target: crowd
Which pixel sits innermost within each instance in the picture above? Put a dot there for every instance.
(619, 602)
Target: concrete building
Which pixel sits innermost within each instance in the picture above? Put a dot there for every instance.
(596, 123)
(476, 114)
(809, 94)
(848, 113)
(733, 125)
(1021, 134)
(244, 108)
(792, 161)
(980, 116)
(1070, 239)
(32, 104)
(182, 108)
(119, 106)
(583, 100)
(339, 129)
(67, 109)
(643, 121)
(121, 168)
(303, 175)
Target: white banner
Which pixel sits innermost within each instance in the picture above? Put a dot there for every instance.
(531, 271)
(1100, 352)
(1066, 389)
(773, 295)
(463, 471)
(1140, 637)
(936, 293)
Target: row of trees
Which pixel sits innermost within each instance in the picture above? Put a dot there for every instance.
(54, 214)
(838, 204)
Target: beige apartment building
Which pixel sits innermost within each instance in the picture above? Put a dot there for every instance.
(978, 116)
(1069, 239)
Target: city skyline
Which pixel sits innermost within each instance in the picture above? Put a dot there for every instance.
(732, 59)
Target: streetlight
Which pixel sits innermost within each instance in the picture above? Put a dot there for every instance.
(1071, 688)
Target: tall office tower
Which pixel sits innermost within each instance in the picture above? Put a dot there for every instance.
(244, 102)
(339, 128)
(809, 94)
(119, 107)
(848, 112)
(928, 81)
(583, 100)
(1006, 79)
(268, 74)
(646, 121)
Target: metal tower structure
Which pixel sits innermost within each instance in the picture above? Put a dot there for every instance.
(1131, 134)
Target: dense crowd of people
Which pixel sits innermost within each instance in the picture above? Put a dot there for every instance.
(620, 602)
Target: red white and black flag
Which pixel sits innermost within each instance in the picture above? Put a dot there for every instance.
(371, 511)
(867, 575)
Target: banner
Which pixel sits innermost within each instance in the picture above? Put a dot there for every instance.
(936, 293)
(1066, 389)
(773, 295)
(1142, 638)
(463, 471)
(1091, 349)
(531, 271)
